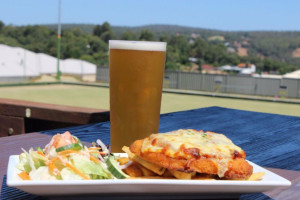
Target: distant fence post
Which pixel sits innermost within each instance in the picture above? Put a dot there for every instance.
(218, 83)
(166, 82)
(178, 79)
(226, 81)
(298, 88)
(282, 91)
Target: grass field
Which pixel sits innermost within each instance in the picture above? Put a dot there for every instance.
(95, 97)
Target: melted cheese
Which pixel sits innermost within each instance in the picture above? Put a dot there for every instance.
(214, 146)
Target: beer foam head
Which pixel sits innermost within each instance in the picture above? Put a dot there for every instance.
(137, 45)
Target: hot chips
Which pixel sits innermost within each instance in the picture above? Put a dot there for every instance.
(146, 172)
(256, 176)
(142, 169)
(153, 167)
(182, 175)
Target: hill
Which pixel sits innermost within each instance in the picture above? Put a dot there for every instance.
(157, 29)
(271, 51)
(278, 45)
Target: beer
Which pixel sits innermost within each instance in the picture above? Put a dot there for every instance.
(136, 77)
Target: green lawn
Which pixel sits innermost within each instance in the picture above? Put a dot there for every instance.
(95, 97)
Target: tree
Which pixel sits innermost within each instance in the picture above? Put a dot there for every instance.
(105, 27)
(129, 35)
(100, 29)
(97, 30)
(164, 38)
(269, 51)
(107, 35)
(77, 32)
(101, 58)
(96, 44)
(199, 48)
(180, 43)
(172, 60)
(146, 35)
(104, 32)
(1, 25)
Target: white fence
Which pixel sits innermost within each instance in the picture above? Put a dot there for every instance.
(247, 85)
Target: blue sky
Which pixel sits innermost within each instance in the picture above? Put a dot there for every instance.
(214, 14)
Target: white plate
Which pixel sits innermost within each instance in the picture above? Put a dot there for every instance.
(144, 186)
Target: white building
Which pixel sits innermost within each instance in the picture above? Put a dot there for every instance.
(241, 70)
(248, 70)
(16, 62)
(294, 74)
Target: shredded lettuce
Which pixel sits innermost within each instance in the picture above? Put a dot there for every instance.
(42, 173)
(30, 161)
(24, 163)
(38, 159)
(88, 167)
(68, 174)
(67, 164)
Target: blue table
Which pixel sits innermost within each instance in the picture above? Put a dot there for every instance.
(269, 140)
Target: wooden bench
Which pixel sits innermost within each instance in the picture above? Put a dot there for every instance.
(18, 116)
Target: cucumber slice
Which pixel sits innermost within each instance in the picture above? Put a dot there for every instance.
(112, 165)
(75, 146)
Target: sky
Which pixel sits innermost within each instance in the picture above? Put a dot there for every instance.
(227, 15)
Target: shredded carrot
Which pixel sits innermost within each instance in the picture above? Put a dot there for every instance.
(52, 166)
(102, 153)
(94, 152)
(53, 169)
(54, 159)
(24, 176)
(77, 171)
(94, 148)
(92, 158)
(67, 151)
(41, 153)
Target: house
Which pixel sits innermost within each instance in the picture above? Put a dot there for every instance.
(207, 69)
(241, 68)
(250, 69)
(193, 59)
(242, 65)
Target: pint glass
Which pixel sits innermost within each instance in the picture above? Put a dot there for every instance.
(136, 71)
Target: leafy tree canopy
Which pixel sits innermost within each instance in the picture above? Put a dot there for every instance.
(269, 51)
(146, 35)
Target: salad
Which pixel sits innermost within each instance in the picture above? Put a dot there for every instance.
(67, 158)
